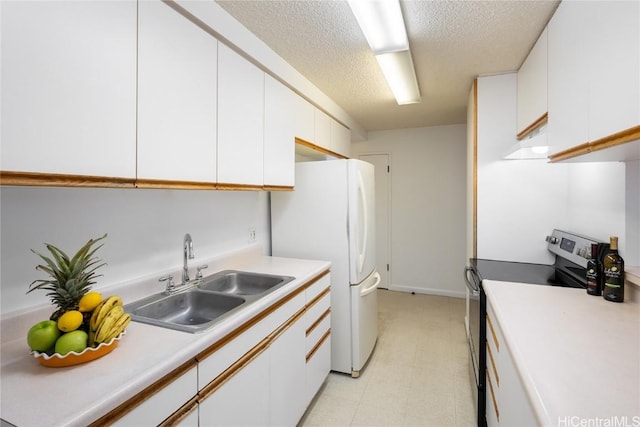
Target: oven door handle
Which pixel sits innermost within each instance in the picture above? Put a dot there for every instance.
(471, 280)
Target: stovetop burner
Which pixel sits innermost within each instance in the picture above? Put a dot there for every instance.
(537, 274)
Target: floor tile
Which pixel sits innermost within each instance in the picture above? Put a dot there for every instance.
(418, 374)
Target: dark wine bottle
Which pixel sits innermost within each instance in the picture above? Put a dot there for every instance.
(594, 272)
(613, 271)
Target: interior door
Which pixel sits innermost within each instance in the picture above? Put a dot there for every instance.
(382, 184)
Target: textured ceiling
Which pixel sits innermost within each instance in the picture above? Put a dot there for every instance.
(451, 43)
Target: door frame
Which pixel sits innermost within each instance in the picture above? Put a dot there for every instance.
(389, 211)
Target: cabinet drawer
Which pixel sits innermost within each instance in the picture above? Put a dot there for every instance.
(160, 405)
(317, 288)
(317, 330)
(315, 311)
(318, 366)
(222, 354)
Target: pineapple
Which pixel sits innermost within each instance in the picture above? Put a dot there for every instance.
(71, 278)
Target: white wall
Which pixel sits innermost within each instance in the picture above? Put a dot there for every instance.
(427, 206)
(522, 201)
(145, 231)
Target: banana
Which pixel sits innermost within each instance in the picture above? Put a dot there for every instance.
(118, 327)
(107, 323)
(102, 310)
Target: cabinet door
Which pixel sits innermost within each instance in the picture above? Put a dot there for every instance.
(568, 96)
(287, 382)
(165, 402)
(305, 120)
(69, 87)
(177, 66)
(240, 119)
(243, 400)
(532, 85)
(340, 139)
(614, 44)
(279, 133)
(323, 130)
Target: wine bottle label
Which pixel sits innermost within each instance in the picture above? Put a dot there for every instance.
(613, 277)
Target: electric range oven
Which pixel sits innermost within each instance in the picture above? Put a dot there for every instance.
(569, 270)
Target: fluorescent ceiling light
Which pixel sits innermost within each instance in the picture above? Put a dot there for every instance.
(382, 24)
(397, 68)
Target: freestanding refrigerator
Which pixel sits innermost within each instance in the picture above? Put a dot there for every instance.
(330, 215)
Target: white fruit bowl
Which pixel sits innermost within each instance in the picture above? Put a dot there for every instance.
(72, 358)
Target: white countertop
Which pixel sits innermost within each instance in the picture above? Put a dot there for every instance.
(577, 355)
(33, 395)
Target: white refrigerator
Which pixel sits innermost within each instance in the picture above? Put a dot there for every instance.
(330, 215)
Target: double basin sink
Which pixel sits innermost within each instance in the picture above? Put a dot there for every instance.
(206, 302)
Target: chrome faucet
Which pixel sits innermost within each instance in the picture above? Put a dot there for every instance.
(187, 251)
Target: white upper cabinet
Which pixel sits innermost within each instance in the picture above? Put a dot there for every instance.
(614, 82)
(305, 120)
(340, 139)
(280, 106)
(177, 85)
(594, 69)
(323, 130)
(532, 86)
(568, 95)
(69, 87)
(240, 119)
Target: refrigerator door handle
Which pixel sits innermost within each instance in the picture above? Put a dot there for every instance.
(365, 226)
(367, 291)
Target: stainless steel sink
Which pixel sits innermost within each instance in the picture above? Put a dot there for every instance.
(203, 302)
(191, 311)
(243, 283)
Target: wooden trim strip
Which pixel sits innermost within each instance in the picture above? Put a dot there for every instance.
(278, 188)
(168, 184)
(286, 325)
(138, 399)
(493, 332)
(318, 297)
(245, 326)
(493, 397)
(232, 370)
(318, 321)
(493, 364)
(238, 187)
(533, 126)
(613, 140)
(318, 148)
(182, 413)
(32, 179)
(318, 345)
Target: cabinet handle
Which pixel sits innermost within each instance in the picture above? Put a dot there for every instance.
(493, 332)
(493, 397)
(493, 364)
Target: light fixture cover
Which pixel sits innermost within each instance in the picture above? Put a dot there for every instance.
(535, 146)
(397, 68)
(382, 24)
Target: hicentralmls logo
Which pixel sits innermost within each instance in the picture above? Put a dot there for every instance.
(615, 421)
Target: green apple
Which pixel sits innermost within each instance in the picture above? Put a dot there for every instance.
(72, 341)
(43, 335)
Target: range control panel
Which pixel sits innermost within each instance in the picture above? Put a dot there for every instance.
(573, 247)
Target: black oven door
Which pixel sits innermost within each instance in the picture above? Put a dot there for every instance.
(476, 333)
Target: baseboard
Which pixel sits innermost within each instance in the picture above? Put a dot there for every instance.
(428, 291)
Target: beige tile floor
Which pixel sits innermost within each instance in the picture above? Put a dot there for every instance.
(417, 375)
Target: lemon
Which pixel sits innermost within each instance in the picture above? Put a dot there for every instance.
(89, 301)
(70, 321)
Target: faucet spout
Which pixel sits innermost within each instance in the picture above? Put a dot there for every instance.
(187, 253)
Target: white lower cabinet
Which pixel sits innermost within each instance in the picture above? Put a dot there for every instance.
(162, 404)
(507, 403)
(287, 367)
(243, 400)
